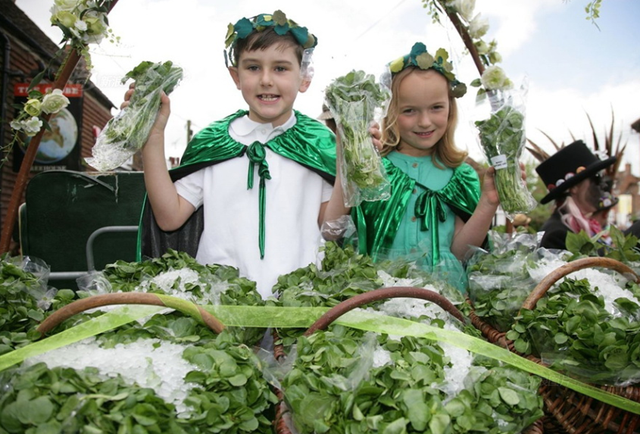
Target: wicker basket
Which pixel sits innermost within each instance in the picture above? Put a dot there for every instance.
(282, 412)
(567, 411)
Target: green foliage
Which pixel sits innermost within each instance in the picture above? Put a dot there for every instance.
(502, 135)
(622, 248)
(335, 387)
(353, 100)
(25, 300)
(575, 333)
(63, 400)
(342, 275)
(127, 132)
(229, 395)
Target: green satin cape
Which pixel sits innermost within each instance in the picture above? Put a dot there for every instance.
(378, 222)
(308, 142)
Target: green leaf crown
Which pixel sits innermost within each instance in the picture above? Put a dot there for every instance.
(420, 58)
(280, 23)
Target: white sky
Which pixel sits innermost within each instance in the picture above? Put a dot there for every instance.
(572, 67)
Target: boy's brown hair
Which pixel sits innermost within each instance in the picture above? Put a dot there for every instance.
(265, 39)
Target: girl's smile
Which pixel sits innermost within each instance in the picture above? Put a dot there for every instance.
(423, 112)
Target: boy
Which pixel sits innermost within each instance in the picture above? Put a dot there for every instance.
(253, 187)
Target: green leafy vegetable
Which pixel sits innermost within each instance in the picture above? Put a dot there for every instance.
(572, 330)
(353, 100)
(127, 132)
(502, 140)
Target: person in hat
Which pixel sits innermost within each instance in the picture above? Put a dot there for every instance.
(573, 179)
(252, 188)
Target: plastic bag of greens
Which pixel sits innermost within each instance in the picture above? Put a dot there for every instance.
(354, 100)
(128, 131)
(502, 137)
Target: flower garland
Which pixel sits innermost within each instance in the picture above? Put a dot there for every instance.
(493, 77)
(29, 120)
(82, 22)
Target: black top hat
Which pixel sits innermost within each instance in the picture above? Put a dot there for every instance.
(569, 166)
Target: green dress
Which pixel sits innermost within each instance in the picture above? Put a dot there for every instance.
(418, 221)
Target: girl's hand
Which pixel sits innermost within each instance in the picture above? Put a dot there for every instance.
(376, 135)
(489, 191)
(489, 186)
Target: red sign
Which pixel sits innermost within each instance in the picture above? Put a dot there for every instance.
(70, 90)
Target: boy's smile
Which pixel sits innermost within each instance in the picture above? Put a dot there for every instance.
(269, 80)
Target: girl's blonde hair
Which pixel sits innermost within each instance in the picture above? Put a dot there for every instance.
(445, 151)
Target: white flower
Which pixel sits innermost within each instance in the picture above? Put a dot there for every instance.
(478, 27)
(81, 26)
(33, 107)
(495, 57)
(16, 124)
(65, 18)
(96, 27)
(64, 5)
(482, 47)
(465, 8)
(32, 126)
(494, 78)
(54, 102)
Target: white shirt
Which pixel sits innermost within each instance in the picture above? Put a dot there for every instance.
(231, 211)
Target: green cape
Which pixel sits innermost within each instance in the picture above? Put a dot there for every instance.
(378, 222)
(308, 142)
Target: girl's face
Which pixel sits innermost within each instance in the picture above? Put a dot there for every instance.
(423, 112)
(269, 80)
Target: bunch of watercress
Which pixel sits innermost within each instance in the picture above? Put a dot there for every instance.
(25, 300)
(353, 100)
(573, 331)
(128, 131)
(502, 139)
(348, 382)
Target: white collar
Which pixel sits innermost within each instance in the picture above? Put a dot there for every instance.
(243, 126)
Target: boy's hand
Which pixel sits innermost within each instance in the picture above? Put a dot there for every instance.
(127, 95)
(163, 115)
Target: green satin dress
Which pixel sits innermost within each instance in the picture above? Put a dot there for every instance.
(418, 221)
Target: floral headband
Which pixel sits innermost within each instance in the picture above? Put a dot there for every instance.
(420, 58)
(280, 23)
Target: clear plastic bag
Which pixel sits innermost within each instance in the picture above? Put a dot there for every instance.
(354, 101)
(128, 131)
(502, 138)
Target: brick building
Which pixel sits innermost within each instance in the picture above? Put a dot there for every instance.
(26, 50)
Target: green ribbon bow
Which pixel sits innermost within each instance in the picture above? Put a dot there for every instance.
(257, 156)
(430, 208)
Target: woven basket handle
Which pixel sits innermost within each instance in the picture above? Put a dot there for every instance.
(380, 294)
(79, 306)
(579, 264)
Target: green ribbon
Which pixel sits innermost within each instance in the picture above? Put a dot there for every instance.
(295, 317)
(430, 208)
(257, 156)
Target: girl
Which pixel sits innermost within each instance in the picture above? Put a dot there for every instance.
(436, 210)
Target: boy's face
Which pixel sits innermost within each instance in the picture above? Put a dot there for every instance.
(269, 80)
